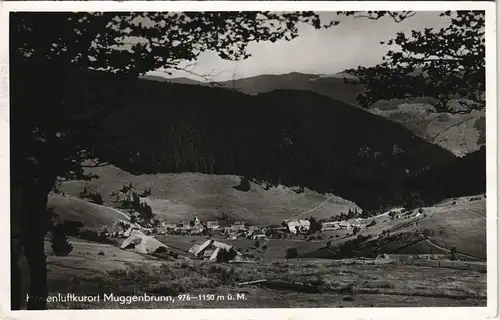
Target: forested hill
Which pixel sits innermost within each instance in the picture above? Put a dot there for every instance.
(284, 137)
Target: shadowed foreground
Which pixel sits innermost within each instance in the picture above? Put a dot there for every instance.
(343, 284)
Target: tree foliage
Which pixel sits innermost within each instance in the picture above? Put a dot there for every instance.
(443, 64)
(52, 52)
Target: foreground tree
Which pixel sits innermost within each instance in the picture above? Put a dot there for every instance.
(443, 64)
(51, 55)
(61, 246)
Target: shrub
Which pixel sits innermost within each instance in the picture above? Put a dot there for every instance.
(226, 255)
(60, 242)
(336, 236)
(292, 253)
(372, 223)
(428, 232)
(264, 247)
(420, 210)
(96, 198)
(453, 253)
(244, 185)
(356, 230)
(257, 244)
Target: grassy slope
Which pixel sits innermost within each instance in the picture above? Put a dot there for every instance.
(92, 215)
(177, 197)
(462, 225)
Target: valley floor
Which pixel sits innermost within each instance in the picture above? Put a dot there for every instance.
(343, 283)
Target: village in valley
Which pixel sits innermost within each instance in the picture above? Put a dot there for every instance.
(214, 240)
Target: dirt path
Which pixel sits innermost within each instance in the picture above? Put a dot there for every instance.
(476, 213)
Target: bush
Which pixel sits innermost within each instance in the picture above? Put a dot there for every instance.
(264, 247)
(96, 198)
(372, 223)
(292, 253)
(244, 185)
(226, 255)
(336, 236)
(60, 242)
(356, 230)
(428, 233)
(420, 210)
(257, 244)
(453, 253)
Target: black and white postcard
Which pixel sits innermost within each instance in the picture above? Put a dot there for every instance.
(254, 160)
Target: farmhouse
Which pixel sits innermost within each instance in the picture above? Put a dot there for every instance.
(143, 243)
(209, 249)
(168, 225)
(344, 225)
(328, 226)
(298, 226)
(212, 225)
(258, 236)
(238, 225)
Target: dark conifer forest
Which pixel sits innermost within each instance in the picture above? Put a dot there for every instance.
(287, 137)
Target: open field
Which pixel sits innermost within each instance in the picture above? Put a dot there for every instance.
(182, 196)
(343, 285)
(459, 223)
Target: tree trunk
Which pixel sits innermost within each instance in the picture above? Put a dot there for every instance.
(31, 221)
(36, 227)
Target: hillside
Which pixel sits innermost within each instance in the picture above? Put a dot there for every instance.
(459, 133)
(459, 223)
(181, 196)
(285, 137)
(89, 214)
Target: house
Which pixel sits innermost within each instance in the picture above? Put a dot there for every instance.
(229, 230)
(258, 235)
(329, 226)
(252, 228)
(143, 243)
(344, 225)
(212, 225)
(298, 226)
(239, 225)
(197, 229)
(168, 226)
(210, 249)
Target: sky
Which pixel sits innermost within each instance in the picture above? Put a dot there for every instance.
(354, 42)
